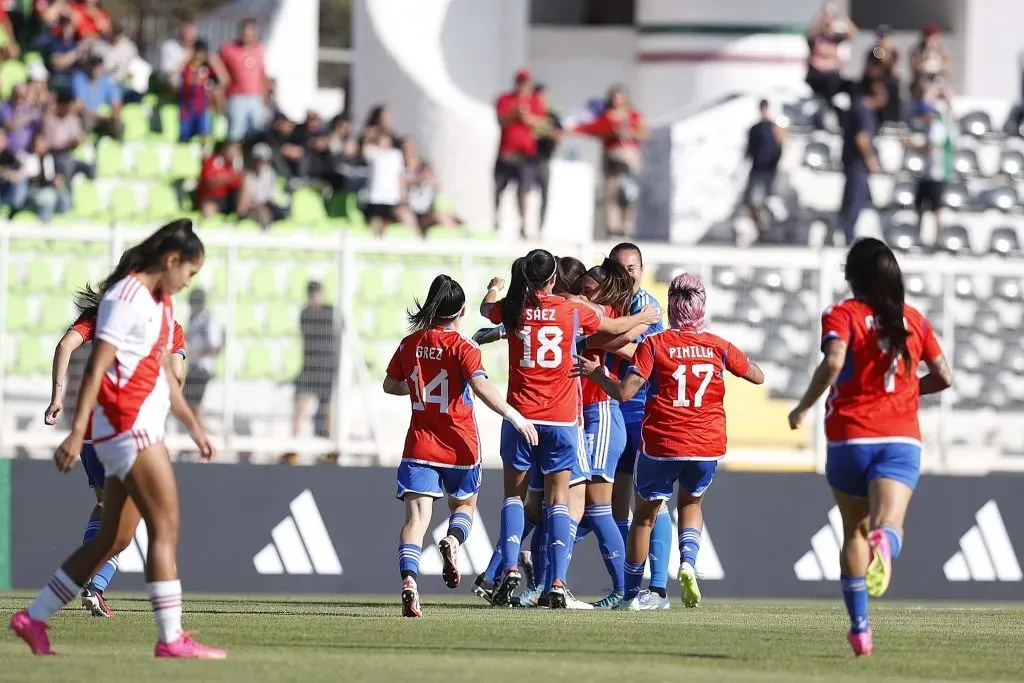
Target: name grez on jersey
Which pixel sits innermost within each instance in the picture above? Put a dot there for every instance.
(683, 352)
(429, 352)
(535, 314)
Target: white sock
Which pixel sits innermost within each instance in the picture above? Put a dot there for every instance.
(165, 597)
(58, 592)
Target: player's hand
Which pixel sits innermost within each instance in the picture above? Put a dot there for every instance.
(796, 417)
(485, 335)
(497, 283)
(203, 442)
(52, 411)
(650, 315)
(585, 367)
(528, 431)
(67, 452)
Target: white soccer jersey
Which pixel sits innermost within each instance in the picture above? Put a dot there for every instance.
(134, 397)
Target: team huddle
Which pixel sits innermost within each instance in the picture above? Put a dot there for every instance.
(608, 415)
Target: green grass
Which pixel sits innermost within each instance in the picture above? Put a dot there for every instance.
(363, 639)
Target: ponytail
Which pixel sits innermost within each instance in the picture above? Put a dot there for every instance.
(445, 302)
(569, 276)
(530, 274)
(875, 276)
(614, 286)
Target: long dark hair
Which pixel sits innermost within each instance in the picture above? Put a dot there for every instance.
(529, 274)
(569, 275)
(614, 286)
(176, 236)
(875, 276)
(445, 301)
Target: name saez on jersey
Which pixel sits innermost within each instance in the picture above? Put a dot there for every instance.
(437, 364)
(540, 383)
(876, 395)
(684, 416)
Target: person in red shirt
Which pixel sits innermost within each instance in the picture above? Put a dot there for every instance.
(521, 113)
(90, 19)
(683, 435)
(248, 85)
(220, 183)
(873, 344)
(621, 129)
(439, 370)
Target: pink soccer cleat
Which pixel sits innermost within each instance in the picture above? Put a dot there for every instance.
(879, 572)
(861, 643)
(186, 648)
(449, 548)
(32, 632)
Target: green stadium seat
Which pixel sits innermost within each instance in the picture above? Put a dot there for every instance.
(58, 312)
(26, 218)
(12, 73)
(77, 273)
(170, 122)
(219, 288)
(282, 320)
(443, 234)
(308, 208)
(263, 284)
(259, 362)
(34, 355)
(413, 283)
(186, 162)
(162, 203)
(246, 321)
(220, 127)
(85, 200)
(390, 324)
(124, 203)
(135, 119)
(39, 277)
(19, 314)
(146, 164)
(31, 57)
(292, 365)
(337, 205)
(397, 231)
(109, 159)
(248, 225)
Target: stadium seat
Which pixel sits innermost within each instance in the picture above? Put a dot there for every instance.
(146, 164)
(768, 278)
(913, 161)
(12, 73)
(976, 124)
(964, 287)
(109, 159)
(185, 162)
(308, 207)
(953, 238)
(19, 316)
(85, 200)
(39, 277)
(34, 356)
(442, 234)
(246, 321)
(1007, 288)
(818, 157)
(999, 198)
(292, 365)
(162, 203)
(135, 119)
(247, 225)
(397, 231)
(903, 195)
(1004, 240)
(263, 283)
(1013, 358)
(56, 313)
(220, 127)
(282, 319)
(1011, 162)
(903, 236)
(26, 218)
(726, 278)
(76, 274)
(965, 162)
(259, 362)
(170, 122)
(955, 196)
(124, 203)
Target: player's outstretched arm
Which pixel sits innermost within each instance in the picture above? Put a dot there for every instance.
(493, 400)
(754, 374)
(395, 387)
(61, 359)
(619, 390)
(616, 326)
(824, 376)
(494, 287)
(939, 377)
(487, 335)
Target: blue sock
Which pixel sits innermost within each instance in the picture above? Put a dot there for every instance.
(539, 550)
(90, 530)
(613, 550)
(105, 574)
(583, 528)
(895, 539)
(661, 546)
(623, 525)
(513, 522)
(528, 526)
(574, 530)
(855, 595)
(560, 539)
(459, 525)
(634, 576)
(494, 566)
(689, 545)
(409, 560)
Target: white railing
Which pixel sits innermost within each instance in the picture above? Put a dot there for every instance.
(250, 417)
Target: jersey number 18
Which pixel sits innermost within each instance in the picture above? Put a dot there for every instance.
(549, 351)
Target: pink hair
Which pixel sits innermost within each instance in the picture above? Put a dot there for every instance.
(686, 300)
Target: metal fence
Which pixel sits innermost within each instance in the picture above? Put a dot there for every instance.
(766, 301)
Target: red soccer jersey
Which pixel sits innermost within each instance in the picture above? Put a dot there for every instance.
(540, 359)
(592, 392)
(684, 416)
(516, 136)
(876, 395)
(437, 365)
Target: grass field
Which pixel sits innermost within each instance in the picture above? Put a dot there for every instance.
(364, 639)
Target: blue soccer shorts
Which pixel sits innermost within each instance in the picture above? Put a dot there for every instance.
(560, 447)
(606, 438)
(627, 461)
(436, 481)
(94, 469)
(655, 478)
(851, 466)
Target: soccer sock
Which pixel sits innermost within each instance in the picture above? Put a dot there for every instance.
(661, 544)
(513, 521)
(623, 525)
(560, 539)
(634, 576)
(58, 592)
(574, 529)
(895, 539)
(528, 526)
(459, 525)
(409, 560)
(90, 530)
(494, 566)
(539, 552)
(689, 545)
(599, 518)
(583, 528)
(165, 597)
(855, 595)
(105, 574)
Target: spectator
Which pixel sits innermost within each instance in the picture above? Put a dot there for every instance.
(13, 185)
(931, 64)
(20, 118)
(422, 190)
(9, 48)
(63, 129)
(764, 149)
(520, 114)
(378, 124)
(248, 86)
(859, 159)
(937, 147)
(39, 94)
(830, 29)
(99, 97)
(260, 184)
(47, 190)
(548, 136)
(386, 191)
(308, 141)
(287, 155)
(196, 78)
(881, 64)
(118, 56)
(176, 53)
(91, 20)
(621, 128)
(344, 169)
(204, 344)
(319, 362)
(63, 53)
(220, 183)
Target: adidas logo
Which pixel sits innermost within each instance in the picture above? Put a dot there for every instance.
(986, 553)
(709, 567)
(133, 558)
(821, 562)
(474, 554)
(300, 543)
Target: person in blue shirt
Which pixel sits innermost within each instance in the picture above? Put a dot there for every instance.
(859, 159)
(64, 53)
(100, 97)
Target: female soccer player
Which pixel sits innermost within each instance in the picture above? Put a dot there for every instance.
(543, 329)
(873, 344)
(80, 333)
(125, 381)
(436, 367)
(683, 435)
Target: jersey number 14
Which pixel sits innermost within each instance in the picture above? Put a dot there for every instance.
(435, 391)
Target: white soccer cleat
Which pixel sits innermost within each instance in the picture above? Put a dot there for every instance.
(572, 603)
(649, 600)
